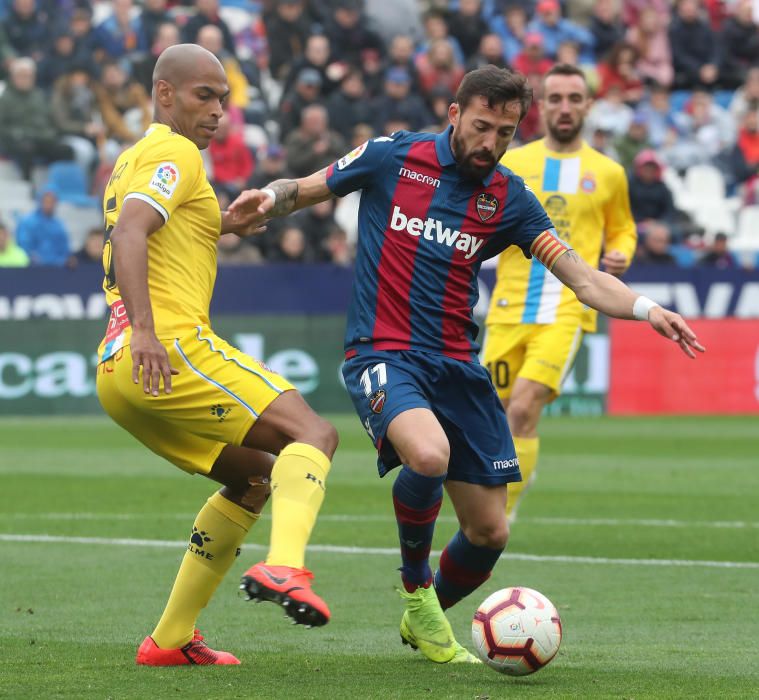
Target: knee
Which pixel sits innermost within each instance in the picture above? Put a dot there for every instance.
(328, 437)
(429, 459)
(522, 415)
(493, 535)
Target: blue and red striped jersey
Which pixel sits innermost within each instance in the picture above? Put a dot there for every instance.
(423, 232)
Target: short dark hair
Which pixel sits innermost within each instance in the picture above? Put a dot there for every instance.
(497, 85)
(565, 69)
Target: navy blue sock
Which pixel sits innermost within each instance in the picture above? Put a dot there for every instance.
(417, 501)
(463, 568)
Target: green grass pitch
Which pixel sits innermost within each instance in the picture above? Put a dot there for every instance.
(643, 532)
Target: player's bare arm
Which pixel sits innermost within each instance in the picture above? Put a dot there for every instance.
(129, 241)
(607, 294)
(280, 198)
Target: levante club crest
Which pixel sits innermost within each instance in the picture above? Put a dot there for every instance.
(377, 401)
(487, 205)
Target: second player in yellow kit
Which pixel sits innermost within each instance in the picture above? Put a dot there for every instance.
(185, 393)
(535, 324)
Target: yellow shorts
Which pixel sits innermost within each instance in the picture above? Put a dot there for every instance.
(215, 399)
(543, 353)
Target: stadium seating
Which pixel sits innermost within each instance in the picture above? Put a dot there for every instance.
(68, 181)
(746, 238)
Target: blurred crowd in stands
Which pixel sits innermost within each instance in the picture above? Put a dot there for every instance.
(676, 88)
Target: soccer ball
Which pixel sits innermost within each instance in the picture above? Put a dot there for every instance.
(516, 631)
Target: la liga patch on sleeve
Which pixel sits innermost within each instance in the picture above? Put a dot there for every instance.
(165, 179)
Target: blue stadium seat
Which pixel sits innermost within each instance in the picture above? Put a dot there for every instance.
(677, 100)
(723, 98)
(67, 179)
(685, 257)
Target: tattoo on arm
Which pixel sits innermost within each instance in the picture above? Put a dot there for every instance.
(571, 255)
(287, 194)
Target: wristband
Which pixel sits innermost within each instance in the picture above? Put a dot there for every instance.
(271, 193)
(642, 306)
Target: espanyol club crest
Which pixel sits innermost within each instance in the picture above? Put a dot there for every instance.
(377, 401)
(588, 183)
(487, 205)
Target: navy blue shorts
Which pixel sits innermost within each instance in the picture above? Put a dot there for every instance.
(383, 384)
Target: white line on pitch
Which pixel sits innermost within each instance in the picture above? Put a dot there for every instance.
(379, 518)
(384, 551)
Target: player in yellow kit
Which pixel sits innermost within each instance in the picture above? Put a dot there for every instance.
(535, 324)
(184, 392)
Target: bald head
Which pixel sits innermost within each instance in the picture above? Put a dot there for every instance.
(177, 64)
(190, 89)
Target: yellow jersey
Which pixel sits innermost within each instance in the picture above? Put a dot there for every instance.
(165, 170)
(585, 194)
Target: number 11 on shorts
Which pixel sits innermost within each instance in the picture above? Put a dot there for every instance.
(380, 371)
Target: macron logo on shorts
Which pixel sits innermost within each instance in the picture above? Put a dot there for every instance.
(506, 463)
(432, 230)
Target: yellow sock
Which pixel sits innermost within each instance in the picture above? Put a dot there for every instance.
(219, 529)
(527, 452)
(297, 491)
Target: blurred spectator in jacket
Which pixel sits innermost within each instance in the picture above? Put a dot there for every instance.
(650, 198)
(287, 29)
(305, 92)
(11, 254)
(316, 55)
(349, 32)
(271, 165)
(124, 104)
(77, 116)
(91, 253)
(291, 246)
(467, 26)
(211, 38)
(620, 70)
(26, 29)
(532, 61)
(718, 255)
(704, 131)
(490, 52)
(42, 235)
(313, 145)
(398, 103)
(695, 48)
(121, 33)
(436, 27)
(610, 113)
(651, 41)
(438, 66)
(655, 245)
(511, 26)
(349, 105)
(61, 58)
(606, 27)
(231, 161)
(143, 64)
(633, 142)
(154, 14)
(548, 22)
(80, 27)
(655, 109)
(207, 12)
(401, 55)
(740, 45)
(29, 134)
(746, 98)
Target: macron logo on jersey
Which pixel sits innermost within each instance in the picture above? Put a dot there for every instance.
(432, 230)
(419, 177)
